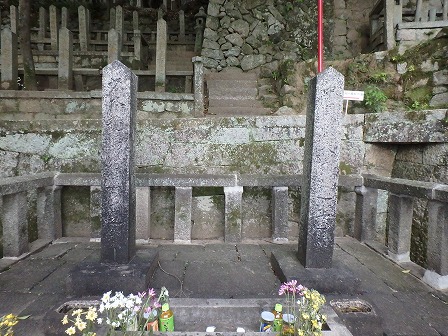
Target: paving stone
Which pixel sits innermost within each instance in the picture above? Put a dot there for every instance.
(47, 285)
(400, 318)
(369, 282)
(27, 274)
(169, 274)
(183, 253)
(221, 252)
(230, 280)
(382, 268)
(54, 251)
(12, 302)
(252, 253)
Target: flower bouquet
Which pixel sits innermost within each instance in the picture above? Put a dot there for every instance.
(134, 312)
(303, 316)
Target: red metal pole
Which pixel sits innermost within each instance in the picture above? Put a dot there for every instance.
(320, 35)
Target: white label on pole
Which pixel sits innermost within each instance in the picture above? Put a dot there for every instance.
(354, 95)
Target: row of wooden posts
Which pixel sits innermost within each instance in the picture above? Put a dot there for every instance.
(9, 56)
(59, 18)
(61, 43)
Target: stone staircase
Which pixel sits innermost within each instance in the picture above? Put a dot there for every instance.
(233, 92)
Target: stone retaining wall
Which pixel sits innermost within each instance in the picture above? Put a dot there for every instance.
(266, 145)
(245, 145)
(41, 105)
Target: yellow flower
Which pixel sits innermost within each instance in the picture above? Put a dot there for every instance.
(71, 331)
(77, 312)
(12, 323)
(305, 316)
(301, 333)
(91, 314)
(316, 324)
(81, 325)
(65, 319)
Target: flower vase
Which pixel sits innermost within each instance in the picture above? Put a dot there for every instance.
(288, 327)
(133, 325)
(152, 326)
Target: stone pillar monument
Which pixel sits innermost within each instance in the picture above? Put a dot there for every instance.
(120, 267)
(42, 27)
(117, 157)
(161, 46)
(113, 46)
(54, 27)
(13, 16)
(321, 170)
(65, 64)
(198, 86)
(9, 60)
(84, 28)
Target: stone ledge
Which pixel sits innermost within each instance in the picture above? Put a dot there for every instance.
(406, 127)
(400, 186)
(423, 25)
(12, 185)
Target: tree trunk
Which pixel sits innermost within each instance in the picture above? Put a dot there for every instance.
(24, 33)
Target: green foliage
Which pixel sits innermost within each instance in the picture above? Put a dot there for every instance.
(379, 77)
(374, 98)
(416, 105)
(418, 98)
(275, 75)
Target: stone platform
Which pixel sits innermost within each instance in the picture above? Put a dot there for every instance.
(239, 274)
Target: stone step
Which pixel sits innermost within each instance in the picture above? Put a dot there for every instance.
(235, 102)
(231, 84)
(237, 111)
(232, 75)
(233, 93)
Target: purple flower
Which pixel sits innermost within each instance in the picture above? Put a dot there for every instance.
(151, 292)
(283, 289)
(291, 287)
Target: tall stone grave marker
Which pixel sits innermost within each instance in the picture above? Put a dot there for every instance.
(113, 46)
(9, 60)
(84, 28)
(161, 47)
(321, 170)
(64, 17)
(120, 267)
(13, 17)
(117, 157)
(42, 27)
(65, 64)
(54, 27)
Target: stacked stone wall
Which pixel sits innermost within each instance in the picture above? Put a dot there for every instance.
(351, 27)
(253, 33)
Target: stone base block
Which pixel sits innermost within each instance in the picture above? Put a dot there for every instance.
(399, 258)
(337, 279)
(435, 280)
(95, 278)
